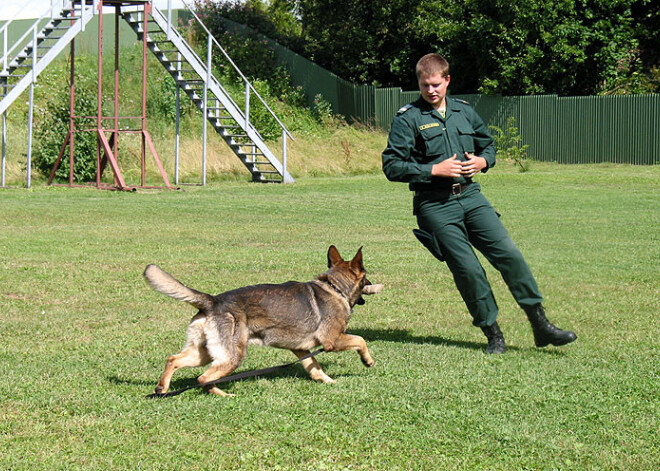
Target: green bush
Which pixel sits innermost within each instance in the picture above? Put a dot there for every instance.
(509, 144)
(322, 110)
(52, 127)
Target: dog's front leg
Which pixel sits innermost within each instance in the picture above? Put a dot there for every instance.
(313, 368)
(355, 342)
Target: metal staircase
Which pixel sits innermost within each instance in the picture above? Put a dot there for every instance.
(194, 76)
(50, 34)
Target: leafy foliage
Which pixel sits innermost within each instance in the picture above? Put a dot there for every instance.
(510, 47)
(358, 44)
(256, 59)
(509, 144)
(52, 127)
(322, 110)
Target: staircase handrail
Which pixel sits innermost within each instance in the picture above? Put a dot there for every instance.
(212, 38)
(6, 24)
(55, 7)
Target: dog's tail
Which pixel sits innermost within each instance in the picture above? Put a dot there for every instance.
(165, 283)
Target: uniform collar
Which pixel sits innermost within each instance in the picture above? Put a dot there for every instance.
(426, 108)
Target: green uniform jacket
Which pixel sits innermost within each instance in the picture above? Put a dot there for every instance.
(420, 137)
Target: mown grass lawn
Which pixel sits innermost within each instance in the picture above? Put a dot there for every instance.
(83, 339)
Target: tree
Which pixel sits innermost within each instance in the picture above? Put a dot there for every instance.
(354, 38)
(534, 46)
(512, 47)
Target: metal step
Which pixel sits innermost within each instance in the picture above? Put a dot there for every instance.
(264, 162)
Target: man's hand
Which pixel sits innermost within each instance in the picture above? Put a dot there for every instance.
(472, 165)
(450, 168)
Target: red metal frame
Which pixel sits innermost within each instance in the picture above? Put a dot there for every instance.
(108, 149)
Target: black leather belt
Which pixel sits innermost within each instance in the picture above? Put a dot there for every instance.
(453, 190)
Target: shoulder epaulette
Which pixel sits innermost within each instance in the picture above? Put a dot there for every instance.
(405, 108)
(461, 101)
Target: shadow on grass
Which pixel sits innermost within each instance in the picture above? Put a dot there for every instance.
(403, 336)
(294, 371)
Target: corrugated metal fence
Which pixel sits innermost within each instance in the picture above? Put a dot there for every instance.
(589, 129)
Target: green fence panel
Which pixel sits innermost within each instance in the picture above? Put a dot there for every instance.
(313, 79)
(592, 129)
(356, 102)
(537, 124)
(387, 102)
(619, 129)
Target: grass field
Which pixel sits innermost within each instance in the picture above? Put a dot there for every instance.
(84, 339)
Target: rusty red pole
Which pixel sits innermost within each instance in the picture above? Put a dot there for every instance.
(72, 110)
(99, 95)
(145, 26)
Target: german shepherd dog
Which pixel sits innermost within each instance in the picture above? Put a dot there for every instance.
(294, 315)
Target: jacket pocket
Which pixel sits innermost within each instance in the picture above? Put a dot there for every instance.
(434, 141)
(466, 136)
(429, 241)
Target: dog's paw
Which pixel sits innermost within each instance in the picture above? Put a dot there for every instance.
(321, 377)
(368, 362)
(219, 392)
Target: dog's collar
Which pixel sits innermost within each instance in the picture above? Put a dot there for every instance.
(335, 288)
(350, 310)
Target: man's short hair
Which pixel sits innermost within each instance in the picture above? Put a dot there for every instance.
(432, 64)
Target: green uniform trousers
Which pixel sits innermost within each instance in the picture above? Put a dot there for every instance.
(452, 225)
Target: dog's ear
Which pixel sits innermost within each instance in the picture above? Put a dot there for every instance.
(356, 263)
(333, 256)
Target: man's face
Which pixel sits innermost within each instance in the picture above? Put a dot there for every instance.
(434, 88)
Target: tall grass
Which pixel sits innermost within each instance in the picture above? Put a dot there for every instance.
(84, 339)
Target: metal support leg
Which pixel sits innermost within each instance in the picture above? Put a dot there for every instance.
(247, 105)
(29, 149)
(4, 147)
(177, 121)
(284, 178)
(209, 47)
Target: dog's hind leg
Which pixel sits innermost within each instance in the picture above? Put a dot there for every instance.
(227, 346)
(313, 368)
(189, 357)
(354, 342)
(216, 372)
(194, 353)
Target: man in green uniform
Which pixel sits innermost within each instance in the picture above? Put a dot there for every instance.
(436, 145)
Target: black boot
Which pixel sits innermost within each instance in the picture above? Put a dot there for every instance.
(495, 339)
(544, 332)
